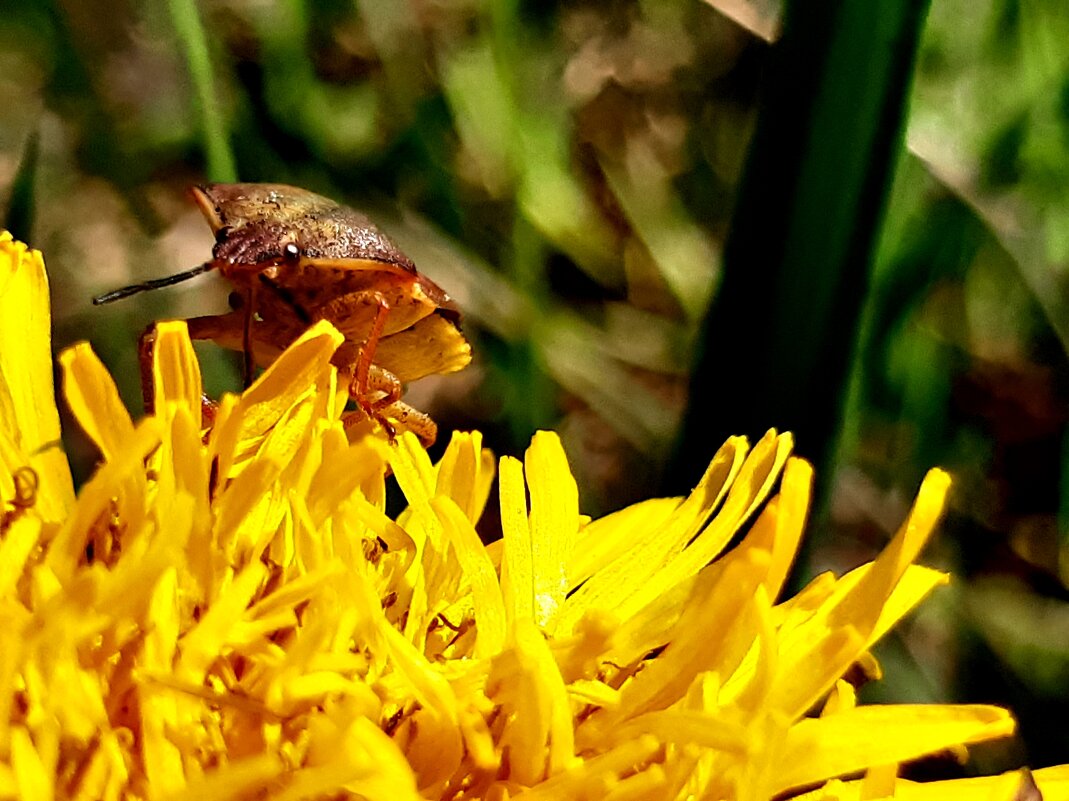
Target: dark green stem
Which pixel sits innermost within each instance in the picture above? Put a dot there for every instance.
(777, 345)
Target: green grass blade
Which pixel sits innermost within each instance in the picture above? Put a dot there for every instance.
(194, 43)
(777, 345)
(19, 218)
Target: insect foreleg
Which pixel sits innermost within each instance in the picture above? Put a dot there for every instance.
(146, 346)
(410, 419)
(367, 350)
(344, 309)
(246, 335)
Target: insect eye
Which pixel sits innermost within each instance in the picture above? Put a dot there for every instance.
(291, 252)
(236, 300)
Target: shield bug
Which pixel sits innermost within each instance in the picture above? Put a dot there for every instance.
(295, 257)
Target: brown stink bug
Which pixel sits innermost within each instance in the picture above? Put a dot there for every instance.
(295, 257)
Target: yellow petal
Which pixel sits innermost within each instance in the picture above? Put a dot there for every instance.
(480, 573)
(1053, 783)
(27, 401)
(517, 567)
(236, 780)
(466, 473)
(755, 480)
(203, 642)
(290, 376)
(554, 521)
(818, 650)
(176, 372)
(94, 400)
(626, 584)
(35, 782)
(822, 748)
(794, 499)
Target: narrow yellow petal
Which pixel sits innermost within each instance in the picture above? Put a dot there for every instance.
(624, 585)
(358, 757)
(175, 369)
(343, 472)
(158, 705)
(16, 545)
(412, 467)
(756, 479)
(236, 780)
(517, 569)
(527, 684)
(707, 729)
(200, 645)
(290, 376)
(818, 650)
(794, 496)
(822, 748)
(67, 549)
(554, 521)
(842, 699)
(466, 473)
(34, 781)
(697, 641)
(27, 400)
(606, 538)
(480, 573)
(914, 586)
(1053, 784)
(879, 782)
(891, 564)
(94, 400)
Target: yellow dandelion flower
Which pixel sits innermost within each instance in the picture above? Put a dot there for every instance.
(230, 614)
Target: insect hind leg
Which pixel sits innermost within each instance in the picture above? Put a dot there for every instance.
(359, 364)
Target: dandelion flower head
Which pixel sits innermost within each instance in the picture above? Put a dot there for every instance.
(230, 613)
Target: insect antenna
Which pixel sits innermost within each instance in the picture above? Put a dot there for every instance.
(156, 283)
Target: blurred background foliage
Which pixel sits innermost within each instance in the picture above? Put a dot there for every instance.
(569, 172)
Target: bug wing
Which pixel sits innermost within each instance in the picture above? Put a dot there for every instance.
(432, 346)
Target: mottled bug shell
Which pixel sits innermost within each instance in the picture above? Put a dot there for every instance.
(255, 223)
(267, 215)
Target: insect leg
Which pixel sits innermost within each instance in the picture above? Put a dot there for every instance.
(146, 345)
(382, 380)
(354, 360)
(387, 386)
(367, 352)
(419, 423)
(408, 418)
(246, 336)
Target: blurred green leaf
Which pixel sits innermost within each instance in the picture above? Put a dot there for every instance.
(779, 338)
(214, 131)
(20, 208)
